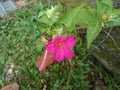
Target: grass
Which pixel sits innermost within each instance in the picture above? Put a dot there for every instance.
(21, 46)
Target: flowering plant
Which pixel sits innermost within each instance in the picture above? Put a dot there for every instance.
(56, 22)
(57, 50)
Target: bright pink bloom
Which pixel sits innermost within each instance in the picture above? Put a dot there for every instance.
(61, 47)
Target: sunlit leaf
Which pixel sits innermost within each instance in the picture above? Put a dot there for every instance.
(50, 16)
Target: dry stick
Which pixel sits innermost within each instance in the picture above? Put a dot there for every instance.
(107, 35)
(106, 65)
(113, 40)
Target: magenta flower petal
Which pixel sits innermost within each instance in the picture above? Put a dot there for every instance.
(50, 47)
(70, 41)
(69, 53)
(41, 70)
(59, 55)
(61, 47)
(59, 38)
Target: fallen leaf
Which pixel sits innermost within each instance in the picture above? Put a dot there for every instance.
(44, 61)
(14, 86)
(21, 3)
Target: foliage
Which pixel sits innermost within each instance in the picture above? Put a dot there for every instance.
(83, 16)
(21, 44)
(107, 13)
(50, 16)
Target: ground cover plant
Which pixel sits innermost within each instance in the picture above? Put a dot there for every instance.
(23, 40)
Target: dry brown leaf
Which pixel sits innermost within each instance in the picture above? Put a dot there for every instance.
(45, 60)
(21, 3)
(14, 86)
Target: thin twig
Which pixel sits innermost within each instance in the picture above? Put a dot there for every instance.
(107, 35)
(112, 40)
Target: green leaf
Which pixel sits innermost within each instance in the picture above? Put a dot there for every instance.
(107, 14)
(114, 20)
(104, 6)
(69, 19)
(44, 19)
(80, 15)
(116, 11)
(86, 16)
(50, 16)
(92, 32)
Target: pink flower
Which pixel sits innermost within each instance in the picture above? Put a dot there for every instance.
(61, 47)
